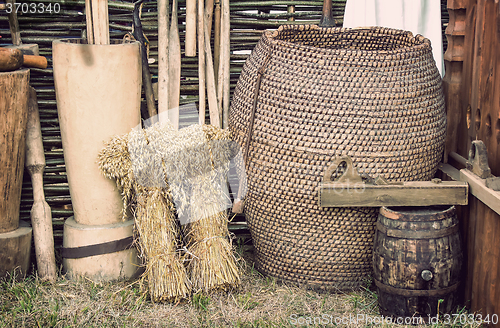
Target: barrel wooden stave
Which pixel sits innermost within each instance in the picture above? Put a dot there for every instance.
(13, 121)
(432, 243)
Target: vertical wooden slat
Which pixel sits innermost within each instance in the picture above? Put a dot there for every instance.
(452, 81)
(467, 79)
(479, 101)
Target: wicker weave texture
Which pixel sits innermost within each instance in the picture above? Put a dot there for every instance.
(373, 94)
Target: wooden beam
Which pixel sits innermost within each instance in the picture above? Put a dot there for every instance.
(416, 193)
(478, 188)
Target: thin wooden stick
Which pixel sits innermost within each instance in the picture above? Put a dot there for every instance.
(174, 73)
(226, 50)
(15, 32)
(209, 11)
(217, 27)
(201, 61)
(163, 57)
(213, 104)
(90, 27)
(190, 39)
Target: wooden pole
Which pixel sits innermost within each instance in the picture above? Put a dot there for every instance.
(41, 217)
(163, 56)
(213, 104)
(201, 61)
(190, 39)
(15, 32)
(146, 74)
(100, 21)
(226, 50)
(217, 26)
(174, 78)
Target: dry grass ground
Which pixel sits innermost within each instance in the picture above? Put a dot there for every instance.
(259, 302)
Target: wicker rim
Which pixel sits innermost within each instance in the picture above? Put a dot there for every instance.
(418, 42)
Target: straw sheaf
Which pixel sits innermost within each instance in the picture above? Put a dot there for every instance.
(373, 94)
(153, 167)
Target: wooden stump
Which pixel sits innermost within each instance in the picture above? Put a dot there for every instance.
(14, 87)
(15, 250)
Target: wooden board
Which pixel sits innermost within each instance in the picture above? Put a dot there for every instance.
(417, 193)
(488, 196)
(481, 228)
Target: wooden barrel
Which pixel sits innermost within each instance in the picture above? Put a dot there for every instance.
(13, 121)
(417, 258)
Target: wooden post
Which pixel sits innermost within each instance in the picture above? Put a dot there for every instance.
(452, 81)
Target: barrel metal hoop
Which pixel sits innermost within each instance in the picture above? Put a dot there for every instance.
(416, 293)
(408, 234)
(98, 249)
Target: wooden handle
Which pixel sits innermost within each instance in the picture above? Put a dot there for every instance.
(15, 32)
(350, 175)
(12, 58)
(34, 61)
(41, 217)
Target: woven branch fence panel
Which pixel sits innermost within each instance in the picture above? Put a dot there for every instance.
(249, 18)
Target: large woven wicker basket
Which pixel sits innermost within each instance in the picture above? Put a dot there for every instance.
(373, 94)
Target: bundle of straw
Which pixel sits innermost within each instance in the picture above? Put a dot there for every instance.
(212, 264)
(157, 227)
(158, 167)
